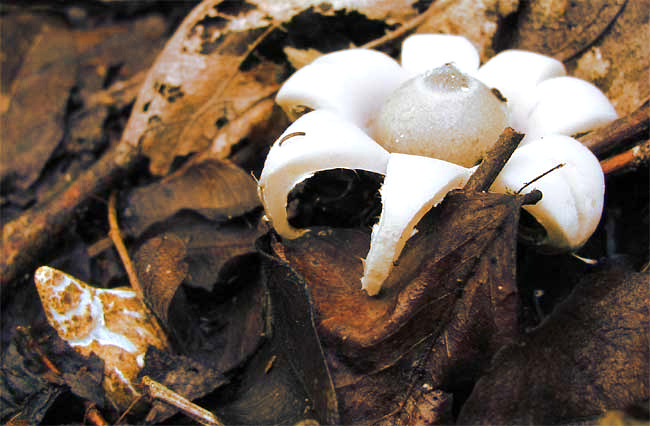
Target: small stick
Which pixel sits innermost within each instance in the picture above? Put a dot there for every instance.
(116, 237)
(93, 416)
(31, 344)
(609, 137)
(494, 161)
(158, 391)
(630, 159)
(435, 8)
(527, 184)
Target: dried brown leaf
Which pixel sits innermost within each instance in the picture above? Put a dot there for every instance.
(619, 61)
(563, 29)
(182, 100)
(454, 287)
(34, 123)
(161, 268)
(589, 355)
(215, 189)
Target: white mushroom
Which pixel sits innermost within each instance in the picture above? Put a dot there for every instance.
(424, 52)
(572, 193)
(568, 106)
(412, 186)
(352, 83)
(317, 141)
(442, 114)
(367, 107)
(516, 74)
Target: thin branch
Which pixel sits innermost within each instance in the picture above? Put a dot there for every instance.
(116, 237)
(527, 184)
(631, 159)
(27, 237)
(632, 127)
(494, 161)
(160, 392)
(434, 8)
(93, 416)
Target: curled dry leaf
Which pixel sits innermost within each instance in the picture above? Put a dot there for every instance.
(112, 323)
(161, 268)
(217, 190)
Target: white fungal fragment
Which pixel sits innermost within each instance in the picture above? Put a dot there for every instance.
(101, 321)
(352, 83)
(568, 106)
(317, 141)
(442, 114)
(516, 74)
(572, 193)
(424, 52)
(412, 186)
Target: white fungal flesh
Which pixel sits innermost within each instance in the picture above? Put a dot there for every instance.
(352, 83)
(442, 114)
(573, 194)
(424, 52)
(112, 323)
(317, 141)
(87, 308)
(412, 186)
(516, 74)
(568, 106)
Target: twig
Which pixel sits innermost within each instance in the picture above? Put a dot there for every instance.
(32, 345)
(494, 161)
(121, 92)
(26, 238)
(434, 8)
(630, 159)
(129, 408)
(633, 126)
(527, 184)
(160, 392)
(93, 416)
(116, 237)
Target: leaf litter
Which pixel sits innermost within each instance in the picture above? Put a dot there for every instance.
(285, 335)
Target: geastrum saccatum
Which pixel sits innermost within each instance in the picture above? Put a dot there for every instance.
(426, 123)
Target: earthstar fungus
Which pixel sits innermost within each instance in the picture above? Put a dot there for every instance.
(425, 124)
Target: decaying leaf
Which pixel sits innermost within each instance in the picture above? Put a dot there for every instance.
(161, 268)
(564, 29)
(590, 355)
(215, 189)
(608, 63)
(34, 123)
(454, 287)
(182, 97)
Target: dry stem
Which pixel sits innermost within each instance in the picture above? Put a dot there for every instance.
(116, 237)
(630, 159)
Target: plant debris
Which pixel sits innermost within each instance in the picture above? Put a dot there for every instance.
(149, 122)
